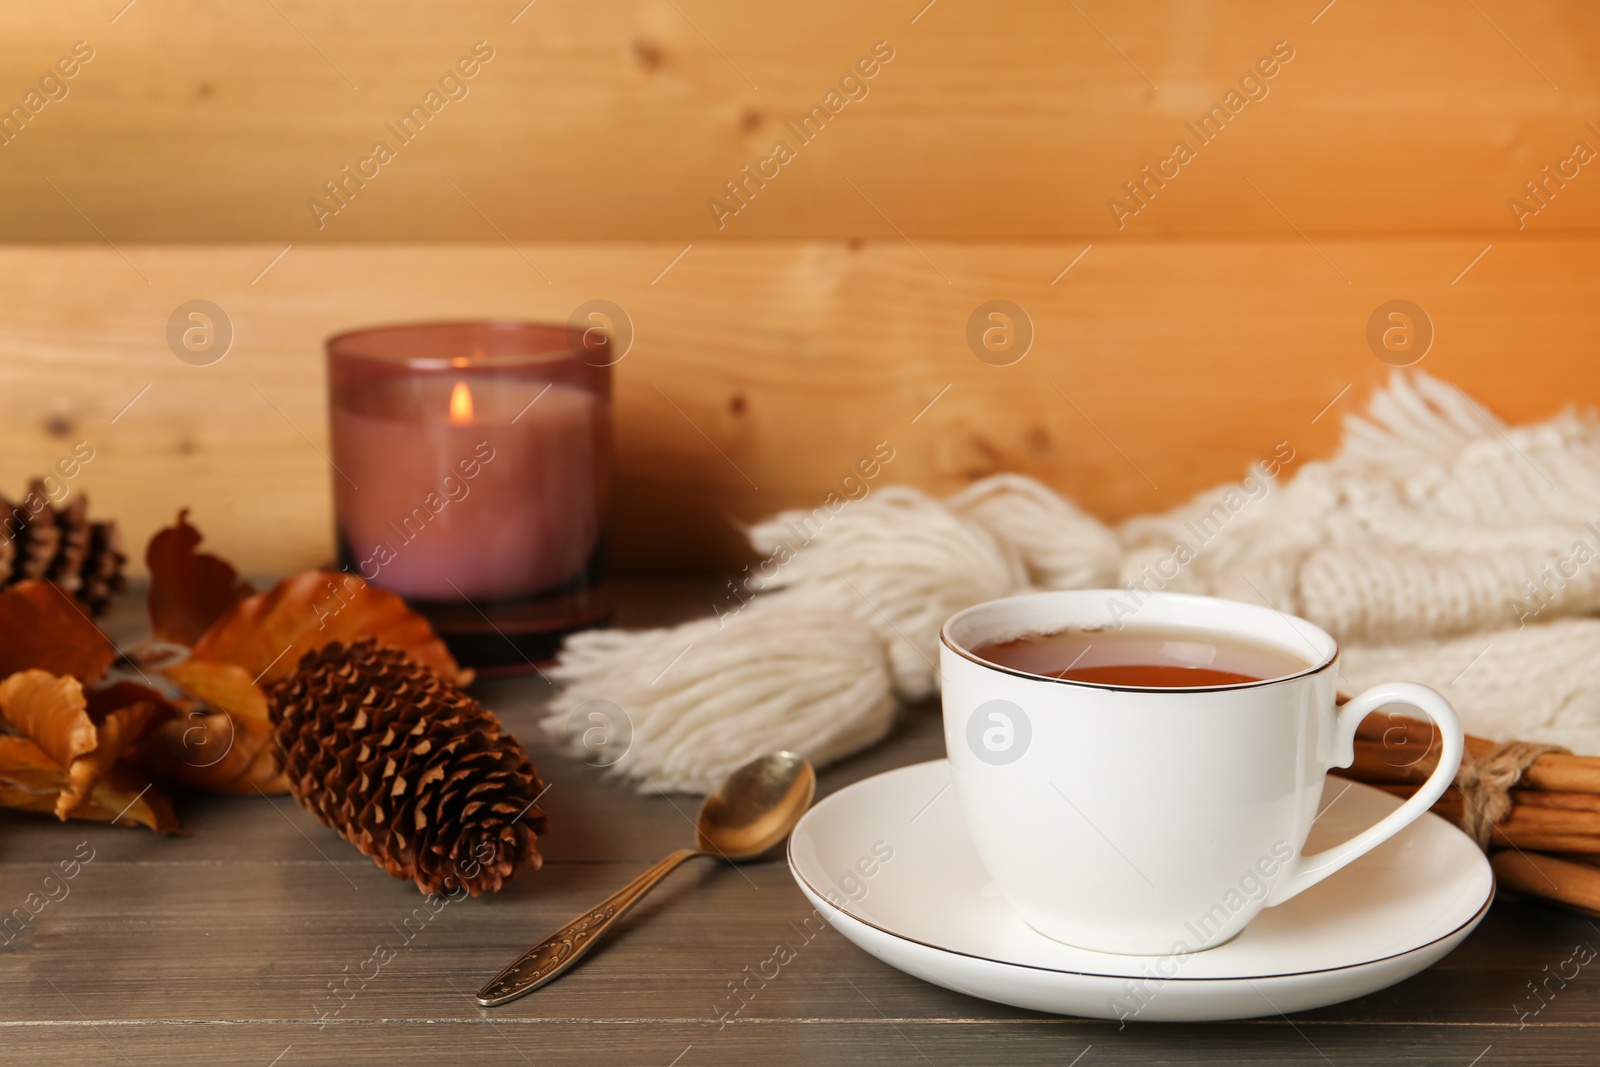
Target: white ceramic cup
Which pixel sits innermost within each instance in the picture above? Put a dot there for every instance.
(1156, 821)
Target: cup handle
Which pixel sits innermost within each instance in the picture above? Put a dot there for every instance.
(1307, 871)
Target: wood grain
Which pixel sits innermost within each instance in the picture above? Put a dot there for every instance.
(620, 119)
(864, 1039)
(762, 373)
(219, 947)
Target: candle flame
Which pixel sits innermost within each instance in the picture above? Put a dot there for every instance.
(460, 403)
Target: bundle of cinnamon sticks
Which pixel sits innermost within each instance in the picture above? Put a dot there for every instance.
(1548, 845)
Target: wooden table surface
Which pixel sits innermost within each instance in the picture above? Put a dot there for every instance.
(221, 948)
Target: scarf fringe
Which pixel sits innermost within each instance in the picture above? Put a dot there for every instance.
(1434, 531)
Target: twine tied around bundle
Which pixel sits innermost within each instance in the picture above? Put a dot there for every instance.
(1486, 784)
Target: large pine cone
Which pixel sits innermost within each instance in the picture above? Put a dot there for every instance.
(61, 544)
(408, 768)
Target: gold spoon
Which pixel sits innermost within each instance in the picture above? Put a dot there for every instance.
(752, 811)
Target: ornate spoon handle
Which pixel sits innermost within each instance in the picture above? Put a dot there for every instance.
(551, 957)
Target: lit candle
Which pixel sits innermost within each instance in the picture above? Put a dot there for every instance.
(472, 475)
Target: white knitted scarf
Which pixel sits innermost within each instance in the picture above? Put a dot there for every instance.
(1438, 546)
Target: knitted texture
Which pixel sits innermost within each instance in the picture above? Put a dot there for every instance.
(1438, 545)
(1540, 683)
(1464, 527)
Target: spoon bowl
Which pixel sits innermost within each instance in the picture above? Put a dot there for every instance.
(756, 806)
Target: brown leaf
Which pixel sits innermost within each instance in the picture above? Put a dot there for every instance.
(267, 634)
(189, 590)
(225, 750)
(42, 627)
(105, 699)
(53, 712)
(120, 733)
(215, 752)
(31, 781)
(225, 686)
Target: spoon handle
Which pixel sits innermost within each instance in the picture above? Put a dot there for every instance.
(551, 957)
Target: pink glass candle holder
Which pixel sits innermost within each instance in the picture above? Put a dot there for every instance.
(472, 476)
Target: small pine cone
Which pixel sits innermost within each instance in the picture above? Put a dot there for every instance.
(62, 546)
(408, 768)
(72, 548)
(102, 566)
(38, 536)
(8, 541)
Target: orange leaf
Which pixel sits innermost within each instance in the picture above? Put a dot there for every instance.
(30, 781)
(229, 750)
(53, 712)
(266, 634)
(105, 699)
(215, 752)
(225, 686)
(119, 733)
(41, 626)
(189, 590)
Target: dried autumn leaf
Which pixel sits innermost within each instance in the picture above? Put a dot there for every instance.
(31, 781)
(189, 590)
(42, 627)
(105, 699)
(225, 686)
(215, 752)
(224, 750)
(266, 634)
(53, 712)
(120, 733)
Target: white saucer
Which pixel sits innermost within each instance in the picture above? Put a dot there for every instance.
(930, 910)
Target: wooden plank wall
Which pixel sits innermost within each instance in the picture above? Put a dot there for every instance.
(1220, 314)
(619, 118)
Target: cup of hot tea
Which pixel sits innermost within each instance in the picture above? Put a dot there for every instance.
(1144, 785)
